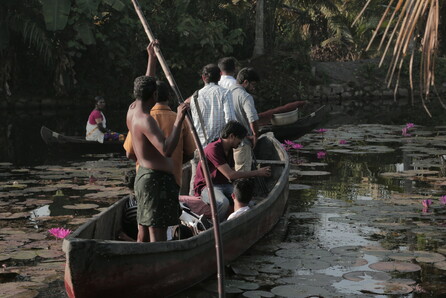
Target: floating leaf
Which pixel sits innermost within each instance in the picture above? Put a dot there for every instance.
(81, 206)
(366, 275)
(395, 266)
(258, 294)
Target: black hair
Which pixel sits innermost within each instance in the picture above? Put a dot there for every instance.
(234, 127)
(163, 91)
(129, 178)
(211, 73)
(144, 87)
(98, 98)
(243, 189)
(227, 64)
(249, 74)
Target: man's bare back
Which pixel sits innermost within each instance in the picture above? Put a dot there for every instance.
(145, 135)
(151, 148)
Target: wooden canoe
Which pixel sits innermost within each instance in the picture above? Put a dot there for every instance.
(97, 265)
(297, 129)
(77, 144)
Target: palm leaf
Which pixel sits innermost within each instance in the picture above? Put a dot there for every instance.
(413, 15)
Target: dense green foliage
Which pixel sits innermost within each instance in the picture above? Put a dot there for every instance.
(80, 48)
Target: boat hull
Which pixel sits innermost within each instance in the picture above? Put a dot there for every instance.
(100, 267)
(297, 129)
(58, 143)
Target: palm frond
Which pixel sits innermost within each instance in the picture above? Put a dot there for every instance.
(406, 19)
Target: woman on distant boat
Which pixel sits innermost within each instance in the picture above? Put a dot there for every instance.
(96, 129)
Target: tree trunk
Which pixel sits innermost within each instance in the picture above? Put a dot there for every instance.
(259, 44)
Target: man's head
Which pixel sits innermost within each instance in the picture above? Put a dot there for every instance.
(163, 91)
(234, 132)
(144, 88)
(99, 102)
(210, 74)
(227, 65)
(243, 189)
(248, 78)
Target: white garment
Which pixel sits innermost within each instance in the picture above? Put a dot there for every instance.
(216, 106)
(93, 133)
(227, 81)
(244, 108)
(238, 212)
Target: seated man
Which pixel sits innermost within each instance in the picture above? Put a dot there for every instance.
(219, 155)
(242, 195)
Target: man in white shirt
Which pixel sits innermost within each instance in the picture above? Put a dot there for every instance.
(211, 109)
(241, 195)
(246, 114)
(227, 68)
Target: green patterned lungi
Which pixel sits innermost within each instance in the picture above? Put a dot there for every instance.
(157, 196)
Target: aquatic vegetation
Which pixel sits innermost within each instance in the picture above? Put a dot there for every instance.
(321, 154)
(321, 130)
(405, 133)
(60, 233)
(287, 145)
(426, 203)
(443, 200)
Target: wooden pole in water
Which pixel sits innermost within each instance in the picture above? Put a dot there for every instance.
(207, 176)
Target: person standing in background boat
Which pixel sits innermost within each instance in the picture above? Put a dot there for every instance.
(211, 108)
(96, 129)
(246, 114)
(165, 118)
(156, 190)
(242, 195)
(219, 156)
(227, 70)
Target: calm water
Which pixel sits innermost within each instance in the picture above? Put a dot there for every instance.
(352, 214)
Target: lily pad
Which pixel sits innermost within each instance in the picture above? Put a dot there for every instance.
(366, 275)
(241, 269)
(23, 255)
(258, 294)
(429, 257)
(297, 291)
(19, 289)
(395, 266)
(347, 250)
(440, 265)
(81, 206)
(240, 284)
(298, 186)
(387, 289)
(312, 173)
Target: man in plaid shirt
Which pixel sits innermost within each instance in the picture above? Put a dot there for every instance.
(211, 108)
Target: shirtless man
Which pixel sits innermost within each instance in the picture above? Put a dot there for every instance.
(155, 187)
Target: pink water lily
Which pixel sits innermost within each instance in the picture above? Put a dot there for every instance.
(405, 133)
(321, 130)
(409, 125)
(443, 200)
(321, 154)
(60, 233)
(342, 142)
(288, 142)
(427, 203)
(297, 146)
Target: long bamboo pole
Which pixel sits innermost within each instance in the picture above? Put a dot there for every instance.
(215, 221)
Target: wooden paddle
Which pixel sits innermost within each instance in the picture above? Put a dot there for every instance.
(204, 164)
